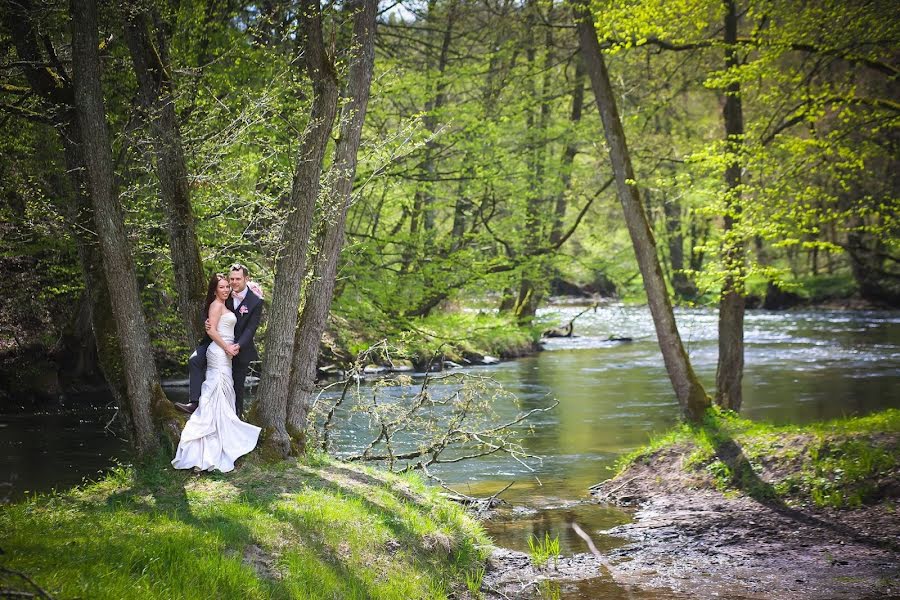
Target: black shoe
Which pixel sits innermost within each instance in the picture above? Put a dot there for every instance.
(188, 408)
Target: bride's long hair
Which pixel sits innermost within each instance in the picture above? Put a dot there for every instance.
(211, 292)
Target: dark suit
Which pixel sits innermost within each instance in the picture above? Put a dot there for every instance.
(248, 314)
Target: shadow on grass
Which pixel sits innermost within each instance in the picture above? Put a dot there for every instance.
(361, 493)
(262, 491)
(745, 479)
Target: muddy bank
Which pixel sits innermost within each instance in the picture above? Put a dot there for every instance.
(512, 574)
(705, 543)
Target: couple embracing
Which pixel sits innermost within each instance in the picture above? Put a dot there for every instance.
(214, 437)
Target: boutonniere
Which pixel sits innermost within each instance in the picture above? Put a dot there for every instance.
(244, 310)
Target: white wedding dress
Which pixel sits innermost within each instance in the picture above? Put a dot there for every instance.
(214, 437)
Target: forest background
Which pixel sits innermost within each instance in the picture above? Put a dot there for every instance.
(381, 168)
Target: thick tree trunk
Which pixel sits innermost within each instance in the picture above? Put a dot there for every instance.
(140, 372)
(274, 390)
(320, 292)
(54, 88)
(690, 393)
(730, 369)
(158, 104)
(103, 323)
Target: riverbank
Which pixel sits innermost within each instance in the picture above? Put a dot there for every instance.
(744, 510)
(35, 379)
(300, 529)
(447, 339)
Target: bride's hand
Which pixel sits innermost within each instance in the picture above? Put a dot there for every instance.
(207, 325)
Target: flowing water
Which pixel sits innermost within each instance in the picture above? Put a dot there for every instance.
(613, 396)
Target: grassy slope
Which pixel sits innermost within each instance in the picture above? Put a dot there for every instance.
(840, 463)
(293, 530)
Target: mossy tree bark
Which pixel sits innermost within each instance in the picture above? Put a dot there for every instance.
(134, 341)
(342, 173)
(291, 263)
(688, 389)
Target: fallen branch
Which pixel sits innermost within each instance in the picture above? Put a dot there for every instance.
(603, 562)
(480, 505)
(8, 592)
(569, 329)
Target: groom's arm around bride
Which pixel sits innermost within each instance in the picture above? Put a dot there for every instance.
(247, 307)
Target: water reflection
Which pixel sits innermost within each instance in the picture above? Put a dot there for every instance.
(41, 452)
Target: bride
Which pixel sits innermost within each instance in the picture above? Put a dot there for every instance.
(214, 437)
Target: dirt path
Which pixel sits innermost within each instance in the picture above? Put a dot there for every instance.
(707, 545)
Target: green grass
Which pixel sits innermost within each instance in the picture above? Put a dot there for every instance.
(542, 551)
(286, 531)
(474, 579)
(835, 463)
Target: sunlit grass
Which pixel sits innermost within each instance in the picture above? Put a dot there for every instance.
(292, 531)
(474, 579)
(542, 551)
(833, 463)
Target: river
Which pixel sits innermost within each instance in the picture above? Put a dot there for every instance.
(801, 366)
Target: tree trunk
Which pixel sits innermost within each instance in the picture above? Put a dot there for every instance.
(568, 157)
(103, 324)
(530, 288)
(690, 393)
(730, 369)
(158, 105)
(140, 371)
(274, 392)
(54, 89)
(320, 292)
(422, 215)
(683, 287)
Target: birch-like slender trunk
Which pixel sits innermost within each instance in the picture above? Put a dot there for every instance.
(688, 389)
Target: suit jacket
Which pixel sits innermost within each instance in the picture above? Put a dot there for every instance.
(248, 314)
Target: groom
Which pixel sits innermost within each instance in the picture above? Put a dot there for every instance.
(247, 307)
